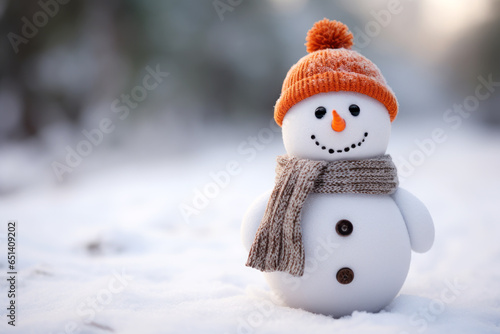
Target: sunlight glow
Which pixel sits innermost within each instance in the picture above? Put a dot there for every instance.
(451, 17)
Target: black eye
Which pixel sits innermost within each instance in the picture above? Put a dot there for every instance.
(354, 109)
(320, 112)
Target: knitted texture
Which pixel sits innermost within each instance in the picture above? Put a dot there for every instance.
(331, 67)
(278, 242)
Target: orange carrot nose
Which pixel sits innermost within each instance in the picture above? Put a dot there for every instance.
(338, 123)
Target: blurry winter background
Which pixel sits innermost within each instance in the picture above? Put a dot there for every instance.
(134, 134)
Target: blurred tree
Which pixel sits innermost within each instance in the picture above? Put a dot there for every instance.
(56, 59)
(476, 54)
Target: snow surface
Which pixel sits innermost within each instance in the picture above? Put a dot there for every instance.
(179, 276)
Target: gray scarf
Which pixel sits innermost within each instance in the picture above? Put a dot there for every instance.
(278, 242)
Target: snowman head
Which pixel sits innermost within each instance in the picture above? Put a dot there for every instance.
(336, 125)
(335, 104)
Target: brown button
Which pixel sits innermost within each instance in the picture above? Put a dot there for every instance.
(345, 276)
(344, 227)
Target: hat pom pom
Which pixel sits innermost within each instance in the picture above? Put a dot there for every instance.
(326, 34)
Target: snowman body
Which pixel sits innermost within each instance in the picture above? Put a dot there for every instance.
(377, 250)
(357, 246)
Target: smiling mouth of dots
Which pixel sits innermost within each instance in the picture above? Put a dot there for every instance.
(345, 149)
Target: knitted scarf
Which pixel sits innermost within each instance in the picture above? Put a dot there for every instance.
(278, 242)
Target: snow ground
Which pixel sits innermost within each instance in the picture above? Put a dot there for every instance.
(109, 252)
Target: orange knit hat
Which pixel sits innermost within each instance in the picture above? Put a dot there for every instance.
(331, 66)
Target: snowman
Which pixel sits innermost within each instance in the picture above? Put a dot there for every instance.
(335, 234)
